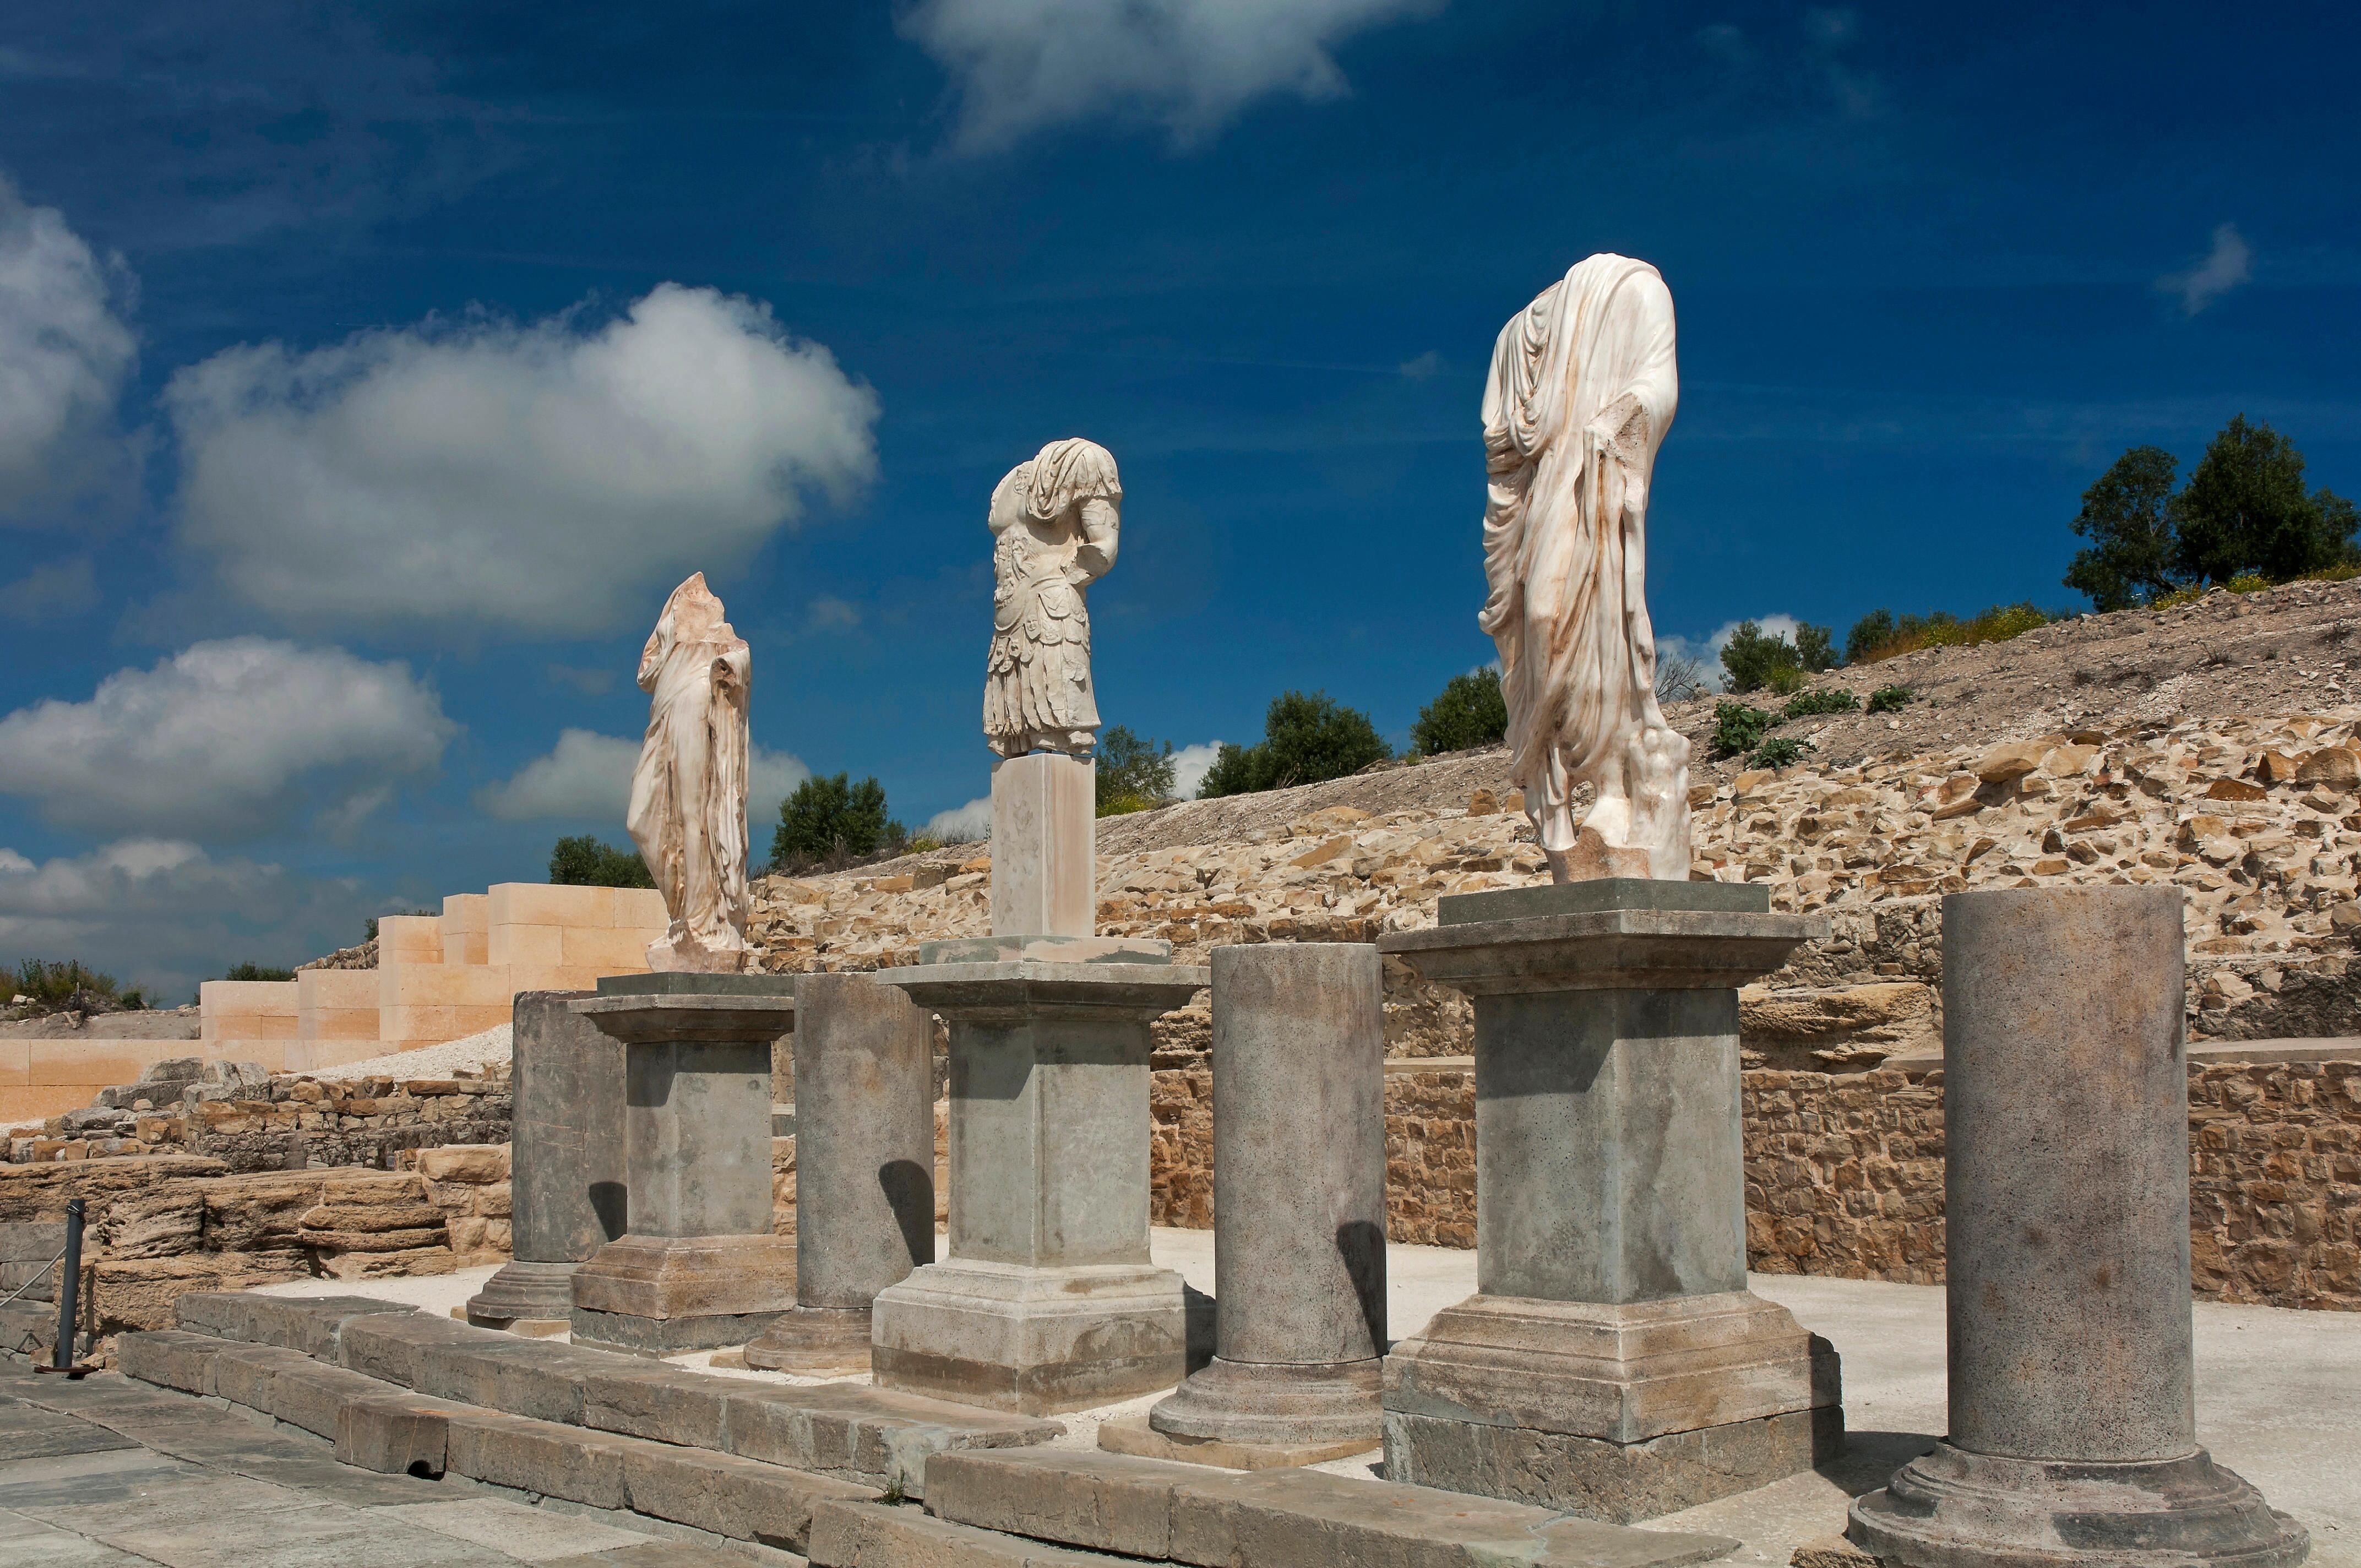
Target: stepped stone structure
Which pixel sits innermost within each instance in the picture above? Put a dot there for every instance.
(437, 977)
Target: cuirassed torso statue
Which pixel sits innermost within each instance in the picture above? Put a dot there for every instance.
(1054, 521)
(1582, 389)
(688, 793)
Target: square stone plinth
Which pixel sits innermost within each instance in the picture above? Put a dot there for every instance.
(1031, 1340)
(663, 1294)
(1614, 1412)
(1044, 845)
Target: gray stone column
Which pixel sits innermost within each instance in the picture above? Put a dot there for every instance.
(1613, 1363)
(2066, 1205)
(864, 1167)
(566, 1181)
(1299, 1215)
(699, 1267)
(1048, 1300)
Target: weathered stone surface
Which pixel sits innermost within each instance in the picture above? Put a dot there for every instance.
(306, 1394)
(394, 1434)
(568, 1170)
(168, 1359)
(1132, 1435)
(663, 1403)
(873, 1535)
(390, 1345)
(539, 1456)
(868, 1435)
(734, 1498)
(519, 1378)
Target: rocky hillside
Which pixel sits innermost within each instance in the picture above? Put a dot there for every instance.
(2214, 746)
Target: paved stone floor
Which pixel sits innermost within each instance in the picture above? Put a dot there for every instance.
(108, 1473)
(2279, 1392)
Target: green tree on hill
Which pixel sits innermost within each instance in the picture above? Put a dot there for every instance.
(584, 861)
(832, 817)
(1307, 736)
(2128, 517)
(1132, 773)
(1470, 711)
(1753, 659)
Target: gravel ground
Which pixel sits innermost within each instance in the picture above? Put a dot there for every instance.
(493, 1047)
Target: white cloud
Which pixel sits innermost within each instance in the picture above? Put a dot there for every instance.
(963, 824)
(1423, 366)
(1192, 64)
(2227, 265)
(225, 740)
(47, 592)
(830, 614)
(586, 777)
(532, 478)
(64, 353)
(1190, 765)
(162, 914)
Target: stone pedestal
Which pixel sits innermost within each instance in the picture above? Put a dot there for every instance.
(2066, 1193)
(1048, 1300)
(566, 1164)
(865, 1167)
(698, 1267)
(1299, 1211)
(1044, 845)
(1613, 1363)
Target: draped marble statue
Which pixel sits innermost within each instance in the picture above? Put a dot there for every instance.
(688, 794)
(1054, 518)
(1581, 393)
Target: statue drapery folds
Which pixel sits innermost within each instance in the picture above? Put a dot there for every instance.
(687, 813)
(1583, 387)
(1054, 521)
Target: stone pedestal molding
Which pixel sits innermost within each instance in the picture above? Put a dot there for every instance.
(1048, 1300)
(1298, 1208)
(2074, 1422)
(566, 1164)
(865, 1167)
(1044, 845)
(698, 1267)
(1613, 1363)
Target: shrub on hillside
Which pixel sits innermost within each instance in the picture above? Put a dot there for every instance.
(1737, 727)
(586, 862)
(1307, 738)
(1837, 699)
(834, 819)
(1889, 699)
(1133, 774)
(51, 986)
(1755, 658)
(1468, 712)
(1779, 752)
(1882, 634)
(258, 972)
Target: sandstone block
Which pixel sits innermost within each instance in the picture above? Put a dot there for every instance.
(394, 1434)
(392, 1347)
(2012, 759)
(474, 1163)
(168, 1359)
(734, 1498)
(868, 1433)
(308, 1395)
(875, 1535)
(519, 1376)
(242, 1373)
(663, 1403)
(1107, 1502)
(538, 1456)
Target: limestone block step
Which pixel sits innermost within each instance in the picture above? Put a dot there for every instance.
(1171, 1512)
(880, 1535)
(870, 1436)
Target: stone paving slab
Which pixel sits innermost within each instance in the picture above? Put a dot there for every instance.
(26, 1432)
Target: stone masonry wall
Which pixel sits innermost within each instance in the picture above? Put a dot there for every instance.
(1844, 1172)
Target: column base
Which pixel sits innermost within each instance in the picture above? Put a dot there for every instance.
(1955, 1510)
(1287, 1406)
(813, 1339)
(1616, 1412)
(1035, 1340)
(1134, 1436)
(525, 1298)
(660, 1295)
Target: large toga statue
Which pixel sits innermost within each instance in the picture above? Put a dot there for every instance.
(1054, 521)
(688, 793)
(1581, 393)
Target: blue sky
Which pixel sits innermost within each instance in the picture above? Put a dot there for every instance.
(368, 375)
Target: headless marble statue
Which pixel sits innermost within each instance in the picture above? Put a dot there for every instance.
(1582, 389)
(688, 794)
(1054, 519)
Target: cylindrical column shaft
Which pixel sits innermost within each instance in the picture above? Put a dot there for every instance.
(2066, 1190)
(1299, 1213)
(1299, 1153)
(864, 1139)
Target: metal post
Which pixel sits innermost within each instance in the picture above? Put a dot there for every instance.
(62, 1356)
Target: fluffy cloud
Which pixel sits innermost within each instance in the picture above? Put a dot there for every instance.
(225, 740)
(161, 914)
(1190, 765)
(2230, 263)
(533, 478)
(586, 777)
(1192, 65)
(963, 825)
(64, 353)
